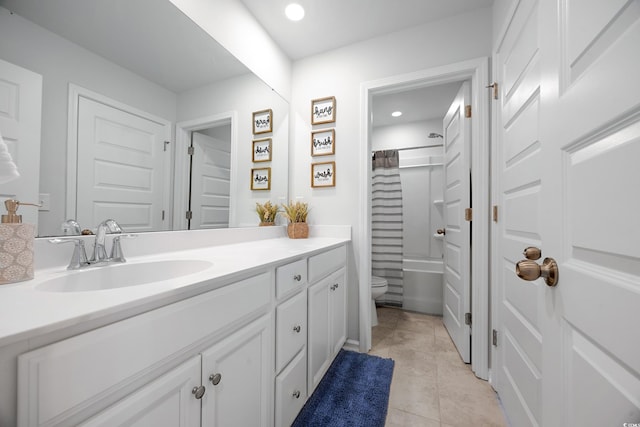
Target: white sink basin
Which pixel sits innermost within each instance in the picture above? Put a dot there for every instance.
(122, 275)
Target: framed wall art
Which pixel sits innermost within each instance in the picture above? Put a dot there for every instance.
(323, 142)
(261, 150)
(323, 174)
(262, 121)
(323, 110)
(261, 179)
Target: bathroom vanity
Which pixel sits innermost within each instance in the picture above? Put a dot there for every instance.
(243, 341)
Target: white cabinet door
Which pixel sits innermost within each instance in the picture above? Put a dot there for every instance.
(237, 374)
(319, 334)
(327, 324)
(167, 401)
(338, 311)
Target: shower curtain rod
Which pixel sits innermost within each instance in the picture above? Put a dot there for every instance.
(412, 148)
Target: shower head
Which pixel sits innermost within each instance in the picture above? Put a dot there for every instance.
(435, 135)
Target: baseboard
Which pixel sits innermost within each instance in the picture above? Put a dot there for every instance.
(352, 345)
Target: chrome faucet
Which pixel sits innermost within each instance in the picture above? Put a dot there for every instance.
(99, 249)
(79, 257)
(71, 227)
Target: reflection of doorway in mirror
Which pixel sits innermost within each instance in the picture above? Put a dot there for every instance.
(20, 107)
(210, 177)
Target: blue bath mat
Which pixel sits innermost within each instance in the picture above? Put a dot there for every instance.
(354, 392)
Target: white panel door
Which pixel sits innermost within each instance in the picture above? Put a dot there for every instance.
(210, 182)
(589, 204)
(568, 148)
(319, 345)
(457, 242)
(518, 166)
(20, 123)
(122, 168)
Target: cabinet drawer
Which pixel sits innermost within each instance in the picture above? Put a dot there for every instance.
(290, 276)
(326, 263)
(96, 364)
(291, 328)
(291, 390)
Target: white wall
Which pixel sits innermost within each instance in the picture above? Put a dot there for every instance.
(244, 95)
(405, 135)
(232, 25)
(61, 62)
(340, 73)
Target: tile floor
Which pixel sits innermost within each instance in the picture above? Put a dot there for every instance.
(431, 385)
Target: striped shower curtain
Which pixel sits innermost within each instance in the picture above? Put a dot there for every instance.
(386, 224)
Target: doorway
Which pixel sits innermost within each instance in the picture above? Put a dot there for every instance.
(477, 71)
(204, 182)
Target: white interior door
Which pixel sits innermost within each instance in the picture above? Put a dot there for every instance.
(20, 124)
(210, 182)
(122, 170)
(457, 242)
(568, 149)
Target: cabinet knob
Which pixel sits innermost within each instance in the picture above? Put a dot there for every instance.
(198, 392)
(215, 378)
(297, 277)
(297, 328)
(296, 394)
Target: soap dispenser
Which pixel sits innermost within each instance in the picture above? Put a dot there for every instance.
(16, 245)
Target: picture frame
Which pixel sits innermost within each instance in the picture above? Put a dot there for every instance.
(323, 174)
(323, 142)
(262, 150)
(323, 110)
(262, 121)
(261, 179)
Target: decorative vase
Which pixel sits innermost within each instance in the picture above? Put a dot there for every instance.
(263, 224)
(298, 230)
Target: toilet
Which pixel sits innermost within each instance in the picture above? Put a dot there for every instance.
(378, 288)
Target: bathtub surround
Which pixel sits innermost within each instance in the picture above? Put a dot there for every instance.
(386, 224)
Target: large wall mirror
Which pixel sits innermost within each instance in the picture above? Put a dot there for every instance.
(144, 118)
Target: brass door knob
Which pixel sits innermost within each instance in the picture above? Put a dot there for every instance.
(530, 270)
(532, 253)
(441, 231)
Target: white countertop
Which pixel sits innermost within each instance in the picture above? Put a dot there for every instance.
(27, 312)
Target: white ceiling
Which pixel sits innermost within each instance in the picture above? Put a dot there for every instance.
(330, 24)
(419, 104)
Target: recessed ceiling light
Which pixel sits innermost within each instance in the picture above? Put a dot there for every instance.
(294, 11)
(396, 113)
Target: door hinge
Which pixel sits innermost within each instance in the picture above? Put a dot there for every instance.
(468, 214)
(467, 319)
(467, 111)
(189, 215)
(165, 145)
(190, 150)
(495, 213)
(494, 85)
(163, 215)
(494, 337)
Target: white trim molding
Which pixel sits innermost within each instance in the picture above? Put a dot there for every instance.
(183, 141)
(476, 70)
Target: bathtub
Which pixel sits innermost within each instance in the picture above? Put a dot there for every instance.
(422, 289)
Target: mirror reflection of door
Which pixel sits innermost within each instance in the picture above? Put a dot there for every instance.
(209, 190)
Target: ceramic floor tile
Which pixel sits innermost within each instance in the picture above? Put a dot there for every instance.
(415, 392)
(399, 418)
(431, 384)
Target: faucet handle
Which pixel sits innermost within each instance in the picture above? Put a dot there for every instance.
(79, 257)
(116, 248)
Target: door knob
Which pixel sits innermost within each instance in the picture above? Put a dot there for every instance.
(530, 270)
(532, 253)
(441, 231)
(198, 391)
(215, 378)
